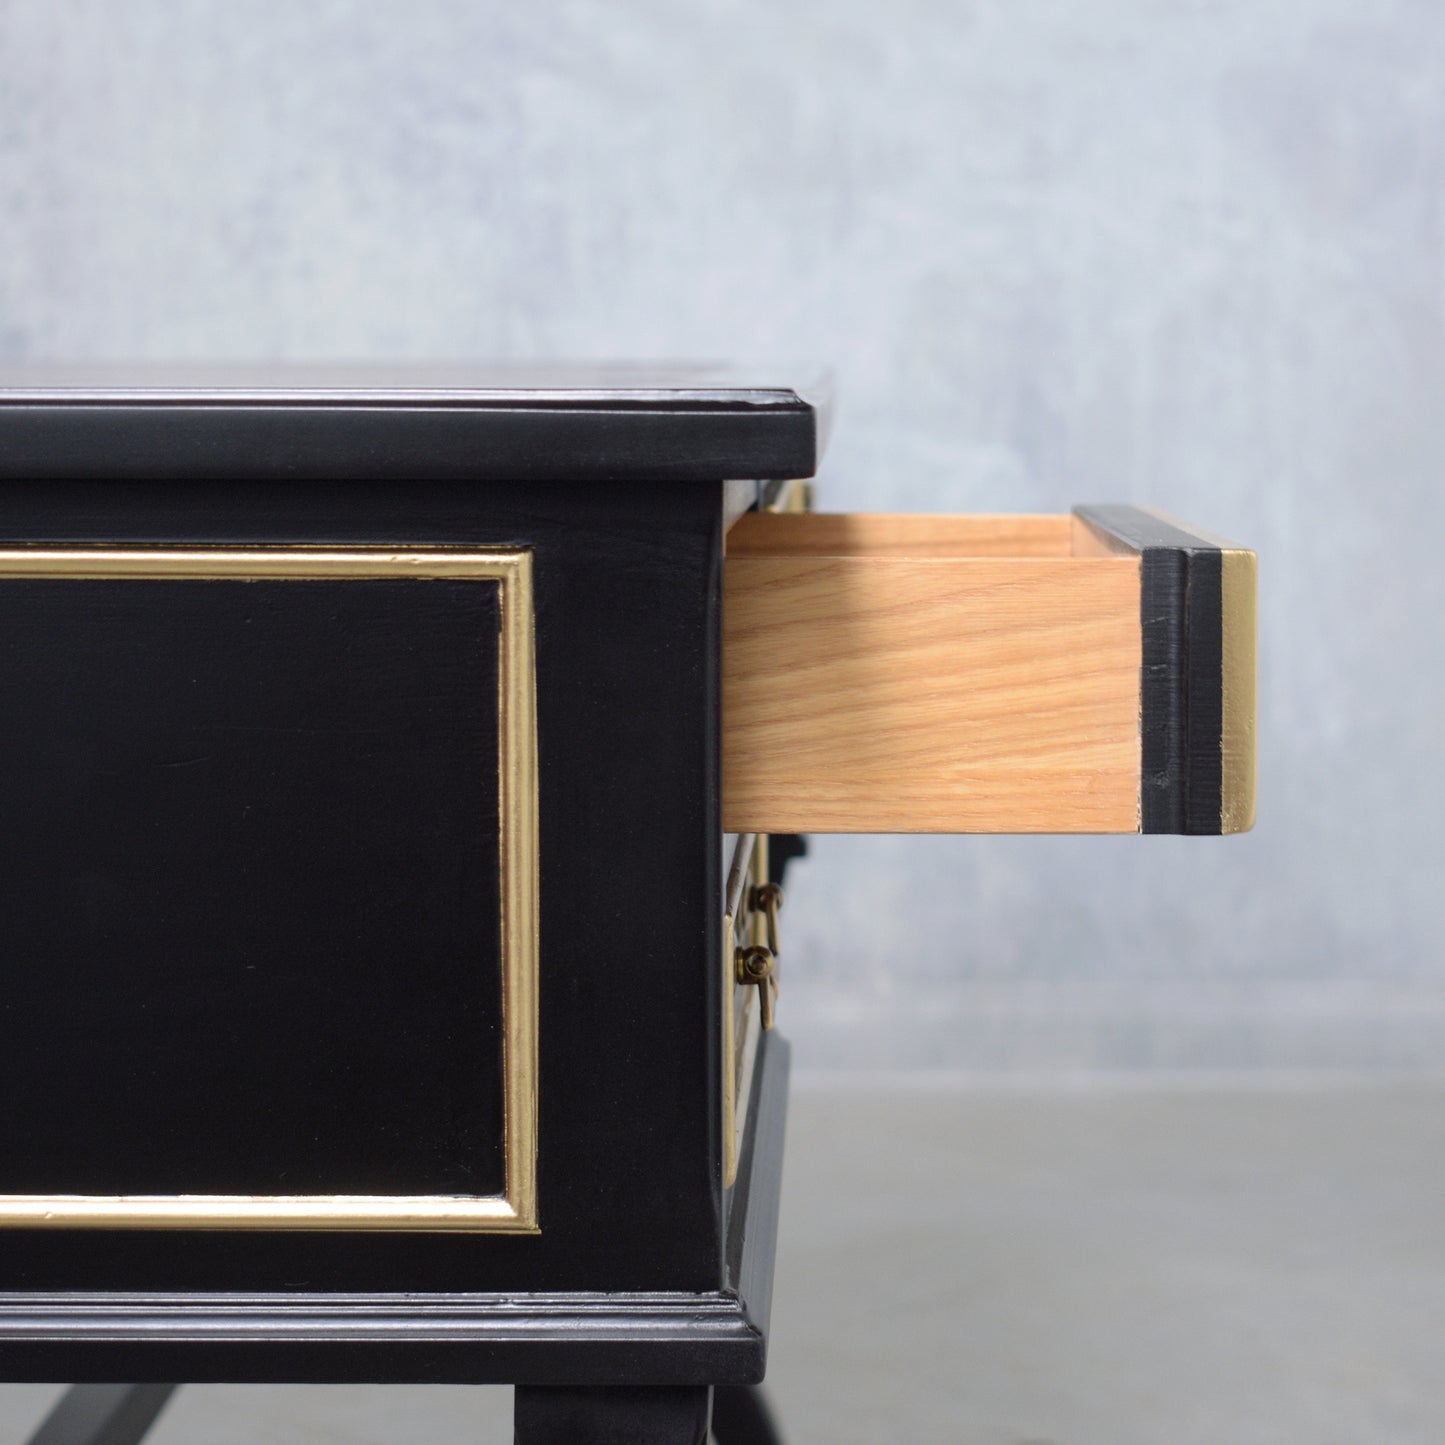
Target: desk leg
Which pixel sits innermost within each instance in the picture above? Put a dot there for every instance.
(103, 1415)
(621, 1416)
(740, 1416)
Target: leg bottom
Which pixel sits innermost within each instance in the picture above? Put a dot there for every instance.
(621, 1416)
(740, 1416)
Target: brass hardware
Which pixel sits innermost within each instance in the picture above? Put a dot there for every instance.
(515, 1211)
(767, 898)
(740, 1029)
(755, 967)
(758, 965)
(750, 961)
(754, 964)
(786, 496)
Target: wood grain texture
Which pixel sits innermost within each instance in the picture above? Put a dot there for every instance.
(900, 534)
(966, 694)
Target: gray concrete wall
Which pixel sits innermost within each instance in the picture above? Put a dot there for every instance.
(1184, 252)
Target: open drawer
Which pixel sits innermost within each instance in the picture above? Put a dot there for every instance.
(1092, 673)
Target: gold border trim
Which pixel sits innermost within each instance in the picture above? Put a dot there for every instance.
(1239, 684)
(514, 1212)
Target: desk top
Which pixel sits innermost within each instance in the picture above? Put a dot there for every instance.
(445, 421)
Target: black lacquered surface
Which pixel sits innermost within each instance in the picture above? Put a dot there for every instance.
(249, 887)
(1182, 696)
(405, 424)
(628, 1166)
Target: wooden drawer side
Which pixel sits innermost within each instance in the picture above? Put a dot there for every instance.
(890, 692)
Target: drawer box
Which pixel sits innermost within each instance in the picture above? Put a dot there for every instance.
(1091, 673)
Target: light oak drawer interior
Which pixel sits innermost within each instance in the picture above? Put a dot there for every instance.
(984, 674)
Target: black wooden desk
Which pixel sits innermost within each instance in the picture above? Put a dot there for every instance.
(383, 999)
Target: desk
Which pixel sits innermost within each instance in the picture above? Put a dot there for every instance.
(390, 761)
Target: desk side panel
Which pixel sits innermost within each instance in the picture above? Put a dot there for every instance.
(626, 596)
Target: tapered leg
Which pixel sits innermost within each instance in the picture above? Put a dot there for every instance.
(621, 1416)
(740, 1416)
(103, 1415)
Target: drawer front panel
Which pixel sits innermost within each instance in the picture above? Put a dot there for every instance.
(269, 826)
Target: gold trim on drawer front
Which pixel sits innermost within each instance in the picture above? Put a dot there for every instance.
(514, 1212)
(1239, 735)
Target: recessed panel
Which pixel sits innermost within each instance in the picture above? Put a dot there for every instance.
(250, 883)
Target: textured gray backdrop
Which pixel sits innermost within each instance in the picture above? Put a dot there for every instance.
(1184, 252)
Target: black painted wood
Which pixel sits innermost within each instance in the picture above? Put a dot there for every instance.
(611, 1338)
(740, 1416)
(627, 596)
(232, 810)
(717, 1336)
(103, 1415)
(218, 423)
(612, 1416)
(1181, 618)
(638, 1276)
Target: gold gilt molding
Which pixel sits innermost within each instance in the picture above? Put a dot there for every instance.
(515, 1211)
(1238, 742)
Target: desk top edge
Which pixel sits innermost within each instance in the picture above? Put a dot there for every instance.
(595, 423)
(415, 384)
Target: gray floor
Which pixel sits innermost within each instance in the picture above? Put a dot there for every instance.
(1137, 1265)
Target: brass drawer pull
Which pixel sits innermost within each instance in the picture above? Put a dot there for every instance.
(755, 967)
